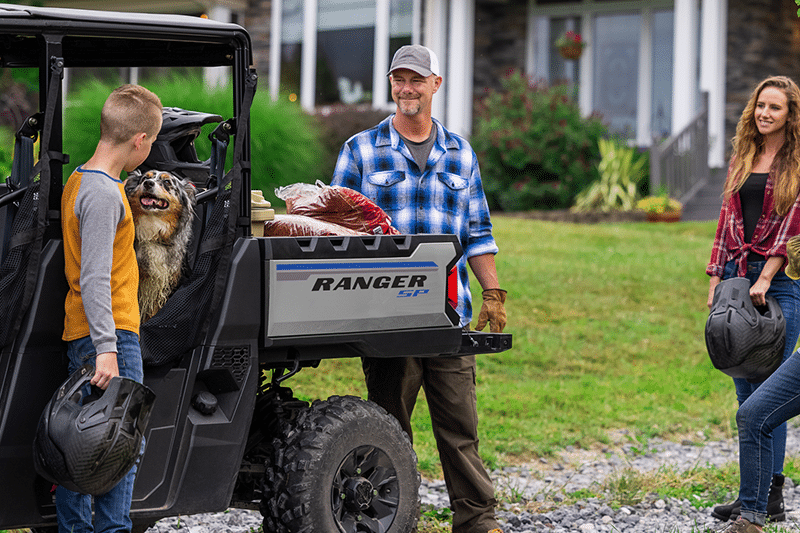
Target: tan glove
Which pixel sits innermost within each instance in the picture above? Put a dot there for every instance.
(793, 257)
(493, 311)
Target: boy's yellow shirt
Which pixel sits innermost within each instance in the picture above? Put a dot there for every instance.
(97, 220)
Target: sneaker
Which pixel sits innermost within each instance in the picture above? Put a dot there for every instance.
(741, 526)
(793, 257)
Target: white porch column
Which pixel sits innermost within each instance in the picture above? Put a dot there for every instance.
(459, 67)
(684, 71)
(435, 35)
(276, 29)
(712, 75)
(308, 62)
(645, 88)
(217, 76)
(416, 24)
(586, 83)
(380, 83)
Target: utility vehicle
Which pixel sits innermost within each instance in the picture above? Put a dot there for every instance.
(225, 430)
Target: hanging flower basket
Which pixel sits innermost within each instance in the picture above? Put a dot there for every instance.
(571, 52)
(570, 45)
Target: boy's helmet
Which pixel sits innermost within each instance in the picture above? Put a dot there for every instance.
(89, 447)
(744, 341)
(174, 150)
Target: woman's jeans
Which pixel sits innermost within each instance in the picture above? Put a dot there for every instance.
(768, 407)
(762, 446)
(112, 510)
(787, 292)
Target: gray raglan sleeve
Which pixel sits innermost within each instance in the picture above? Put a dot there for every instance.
(100, 209)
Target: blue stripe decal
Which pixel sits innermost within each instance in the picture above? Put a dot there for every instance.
(350, 266)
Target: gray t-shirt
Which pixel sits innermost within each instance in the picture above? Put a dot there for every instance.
(421, 150)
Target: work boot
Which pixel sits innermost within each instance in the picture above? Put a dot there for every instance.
(775, 508)
(742, 526)
(725, 511)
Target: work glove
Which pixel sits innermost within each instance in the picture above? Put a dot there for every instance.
(793, 257)
(493, 311)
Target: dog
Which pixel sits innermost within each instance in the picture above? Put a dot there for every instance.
(162, 205)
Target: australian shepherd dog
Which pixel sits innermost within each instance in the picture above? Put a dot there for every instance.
(162, 206)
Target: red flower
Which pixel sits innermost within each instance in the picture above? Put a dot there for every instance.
(574, 37)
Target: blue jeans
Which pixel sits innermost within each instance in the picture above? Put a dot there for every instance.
(112, 510)
(768, 407)
(787, 292)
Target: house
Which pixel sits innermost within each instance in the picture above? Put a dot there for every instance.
(645, 67)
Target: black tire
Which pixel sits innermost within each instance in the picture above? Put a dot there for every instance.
(345, 466)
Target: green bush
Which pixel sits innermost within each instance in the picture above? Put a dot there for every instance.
(284, 140)
(341, 124)
(621, 172)
(6, 153)
(535, 148)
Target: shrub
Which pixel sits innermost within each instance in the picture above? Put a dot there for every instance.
(621, 171)
(6, 153)
(284, 141)
(339, 125)
(535, 148)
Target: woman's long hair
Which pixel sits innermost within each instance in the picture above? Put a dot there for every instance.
(748, 145)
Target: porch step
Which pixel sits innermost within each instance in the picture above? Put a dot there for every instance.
(705, 205)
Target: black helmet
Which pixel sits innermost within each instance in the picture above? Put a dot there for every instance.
(89, 448)
(174, 151)
(744, 341)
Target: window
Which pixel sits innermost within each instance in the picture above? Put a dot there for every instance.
(663, 29)
(345, 39)
(616, 71)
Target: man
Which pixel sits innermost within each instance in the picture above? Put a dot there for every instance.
(427, 179)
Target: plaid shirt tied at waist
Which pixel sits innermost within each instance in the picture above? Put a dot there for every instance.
(769, 238)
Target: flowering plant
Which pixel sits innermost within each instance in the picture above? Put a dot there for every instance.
(658, 204)
(570, 39)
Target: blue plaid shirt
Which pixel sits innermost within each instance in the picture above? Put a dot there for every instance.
(446, 198)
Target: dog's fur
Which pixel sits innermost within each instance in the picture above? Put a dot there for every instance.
(162, 206)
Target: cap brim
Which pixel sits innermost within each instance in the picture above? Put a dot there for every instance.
(416, 68)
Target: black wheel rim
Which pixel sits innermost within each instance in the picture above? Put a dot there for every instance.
(366, 493)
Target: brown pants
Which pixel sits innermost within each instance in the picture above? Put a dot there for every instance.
(449, 384)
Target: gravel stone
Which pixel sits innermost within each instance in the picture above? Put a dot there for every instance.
(548, 481)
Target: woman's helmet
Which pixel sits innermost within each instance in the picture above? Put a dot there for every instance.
(88, 445)
(174, 150)
(744, 341)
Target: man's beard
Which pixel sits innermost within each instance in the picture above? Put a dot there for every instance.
(409, 108)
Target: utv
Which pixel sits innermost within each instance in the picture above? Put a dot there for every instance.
(225, 430)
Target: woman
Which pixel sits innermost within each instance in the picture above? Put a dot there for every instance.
(760, 212)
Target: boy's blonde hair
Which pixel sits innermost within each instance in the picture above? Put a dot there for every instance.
(129, 110)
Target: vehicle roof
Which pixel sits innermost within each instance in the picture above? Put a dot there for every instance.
(78, 16)
(93, 38)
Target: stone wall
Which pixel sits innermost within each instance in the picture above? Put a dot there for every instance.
(500, 28)
(257, 21)
(763, 40)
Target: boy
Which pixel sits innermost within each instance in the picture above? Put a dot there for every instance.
(102, 311)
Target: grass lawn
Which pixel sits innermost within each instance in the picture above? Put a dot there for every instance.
(608, 333)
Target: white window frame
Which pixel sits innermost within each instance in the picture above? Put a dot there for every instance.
(588, 10)
(380, 82)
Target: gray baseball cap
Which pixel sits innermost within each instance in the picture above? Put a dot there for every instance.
(416, 57)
